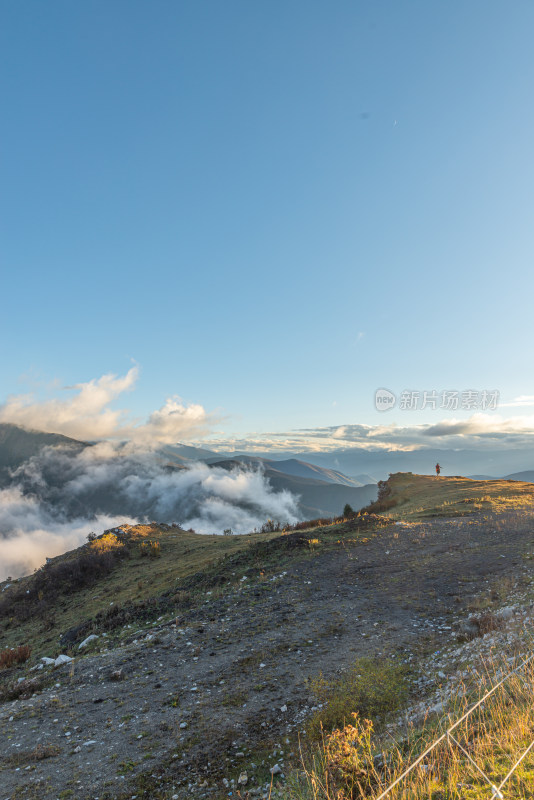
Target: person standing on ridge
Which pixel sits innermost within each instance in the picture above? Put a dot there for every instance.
(438, 469)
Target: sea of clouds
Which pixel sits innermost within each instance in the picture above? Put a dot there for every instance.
(60, 495)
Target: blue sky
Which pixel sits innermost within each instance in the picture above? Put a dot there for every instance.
(272, 208)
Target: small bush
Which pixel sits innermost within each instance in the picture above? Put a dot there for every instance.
(151, 549)
(270, 527)
(14, 655)
(39, 753)
(348, 510)
(20, 689)
(349, 757)
(488, 622)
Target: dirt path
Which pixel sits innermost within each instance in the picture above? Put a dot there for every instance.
(195, 702)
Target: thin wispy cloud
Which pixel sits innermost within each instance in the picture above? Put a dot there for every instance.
(524, 400)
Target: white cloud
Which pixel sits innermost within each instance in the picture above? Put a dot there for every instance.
(174, 422)
(31, 533)
(86, 414)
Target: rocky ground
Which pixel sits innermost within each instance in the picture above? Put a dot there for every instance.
(209, 704)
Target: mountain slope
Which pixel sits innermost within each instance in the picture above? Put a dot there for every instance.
(316, 498)
(526, 476)
(18, 444)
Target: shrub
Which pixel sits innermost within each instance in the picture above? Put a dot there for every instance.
(348, 510)
(151, 549)
(14, 655)
(37, 595)
(349, 757)
(270, 527)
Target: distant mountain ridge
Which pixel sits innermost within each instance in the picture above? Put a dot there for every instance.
(297, 468)
(527, 476)
(358, 464)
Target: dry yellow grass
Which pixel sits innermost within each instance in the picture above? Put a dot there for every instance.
(353, 764)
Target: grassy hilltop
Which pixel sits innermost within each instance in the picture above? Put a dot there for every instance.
(415, 497)
(271, 639)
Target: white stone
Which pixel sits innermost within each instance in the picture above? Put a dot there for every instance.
(48, 661)
(85, 642)
(62, 659)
